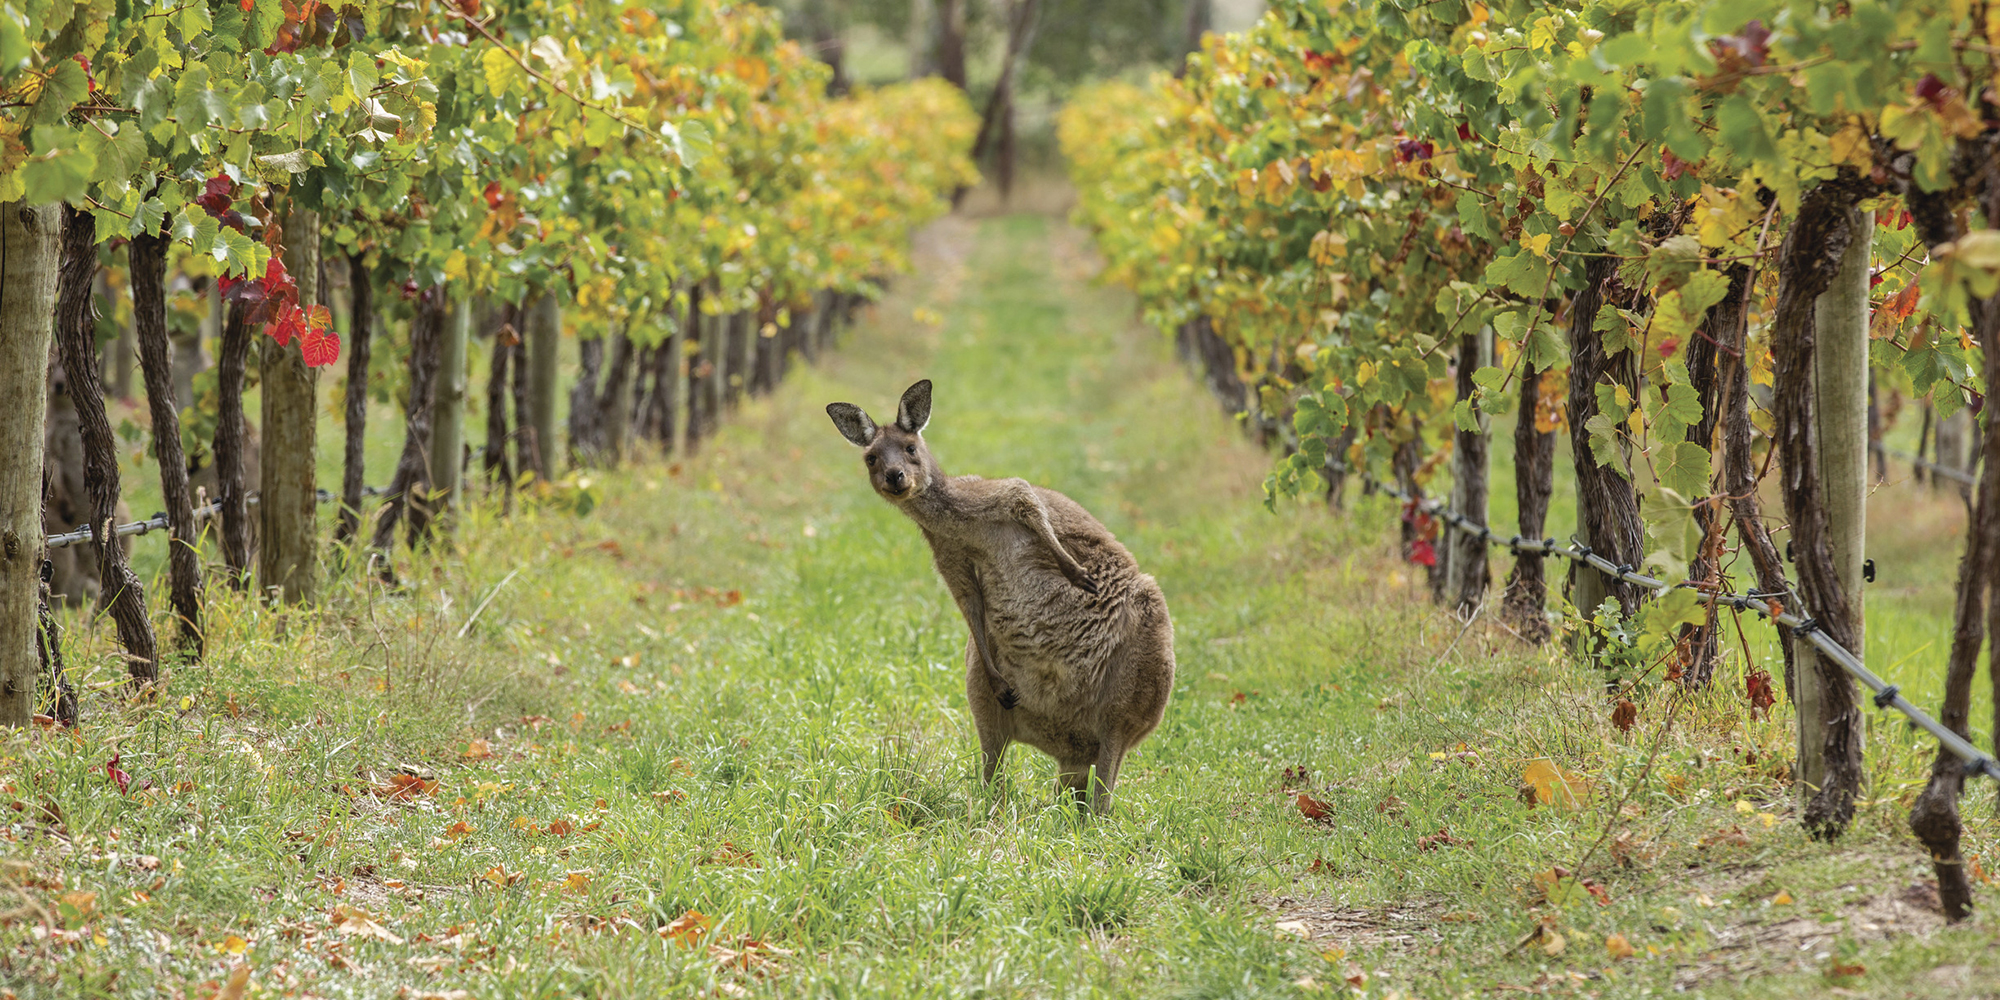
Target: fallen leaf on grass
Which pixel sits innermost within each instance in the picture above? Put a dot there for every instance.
(1555, 785)
(1442, 838)
(1294, 928)
(1461, 917)
(500, 876)
(560, 828)
(687, 929)
(403, 787)
(1839, 969)
(459, 829)
(1783, 898)
(1733, 837)
(477, 750)
(1391, 806)
(670, 795)
(1544, 936)
(351, 919)
(1618, 947)
(238, 984)
(233, 945)
(578, 881)
(1314, 809)
(732, 855)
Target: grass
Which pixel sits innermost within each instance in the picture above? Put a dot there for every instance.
(711, 740)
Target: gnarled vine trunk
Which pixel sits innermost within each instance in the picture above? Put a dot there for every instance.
(121, 594)
(147, 255)
(29, 260)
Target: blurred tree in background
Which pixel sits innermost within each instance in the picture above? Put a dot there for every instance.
(1018, 60)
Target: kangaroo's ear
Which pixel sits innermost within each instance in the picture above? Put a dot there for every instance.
(915, 409)
(853, 424)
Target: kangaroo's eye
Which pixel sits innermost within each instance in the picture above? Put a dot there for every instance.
(910, 449)
(871, 460)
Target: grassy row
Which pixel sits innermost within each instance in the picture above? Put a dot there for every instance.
(735, 690)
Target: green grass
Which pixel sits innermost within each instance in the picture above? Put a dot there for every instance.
(797, 764)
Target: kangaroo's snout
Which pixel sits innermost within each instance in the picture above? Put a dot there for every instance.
(897, 480)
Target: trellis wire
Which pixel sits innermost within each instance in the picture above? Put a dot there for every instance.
(1955, 475)
(1887, 695)
(158, 521)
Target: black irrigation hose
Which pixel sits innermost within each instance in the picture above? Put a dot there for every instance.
(1886, 695)
(158, 521)
(1956, 475)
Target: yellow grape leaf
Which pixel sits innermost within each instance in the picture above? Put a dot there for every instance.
(578, 881)
(1618, 947)
(1538, 244)
(1553, 784)
(1850, 146)
(1783, 898)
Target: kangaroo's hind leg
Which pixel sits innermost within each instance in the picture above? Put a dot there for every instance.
(994, 723)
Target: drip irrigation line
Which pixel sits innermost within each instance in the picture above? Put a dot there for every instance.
(159, 521)
(1955, 475)
(1886, 695)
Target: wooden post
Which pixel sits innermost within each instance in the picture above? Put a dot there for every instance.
(287, 507)
(28, 264)
(544, 341)
(1840, 418)
(448, 409)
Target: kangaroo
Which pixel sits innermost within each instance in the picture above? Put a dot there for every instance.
(1071, 650)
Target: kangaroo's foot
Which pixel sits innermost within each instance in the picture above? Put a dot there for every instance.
(1079, 578)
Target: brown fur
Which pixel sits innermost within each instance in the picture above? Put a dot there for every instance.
(1071, 649)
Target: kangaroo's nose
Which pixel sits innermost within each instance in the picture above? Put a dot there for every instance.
(897, 480)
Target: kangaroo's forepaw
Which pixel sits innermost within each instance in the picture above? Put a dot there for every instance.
(1083, 582)
(1008, 699)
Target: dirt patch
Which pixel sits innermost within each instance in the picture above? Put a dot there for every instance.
(1792, 937)
(1403, 927)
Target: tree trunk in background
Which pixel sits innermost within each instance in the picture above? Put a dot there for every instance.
(948, 45)
(1976, 612)
(409, 493)
(1466, 590)
(1196, 25)
(585, 443)
(739, 336)
(30, 255)
(288, 539)
(447, 449)
(919, 39)
(1607, 508)
(360, 339)
(524, 431)
(671, 381)
(544, 341)
(499, 470)
(186, 354)
(1705, 376)
(148, 260)
(1337, 467)
(124, 357)
(65, 496)
(770, 348)
(1809, 262)
(1523, 606)
(614, 406)
(1023, 18)
(823, 27)
(1923, 442)
(231, 484)
(1951, 449)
